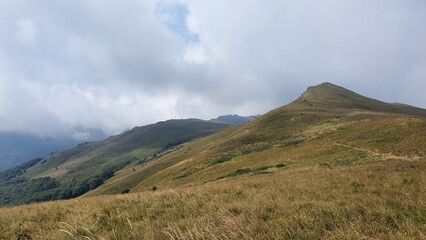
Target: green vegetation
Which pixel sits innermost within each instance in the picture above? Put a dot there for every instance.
(74, 172)
(261, 170)
(21, 191)
(16, 189)
(280, 165)
(242, 151)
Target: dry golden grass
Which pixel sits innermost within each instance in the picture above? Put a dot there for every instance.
(380, 200)
(335, 141)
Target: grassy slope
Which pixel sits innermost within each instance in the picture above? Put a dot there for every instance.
(308, 170)
(331, 96)
(137, 144)
(78, 170)
(345, 142)
(357, 131)
(384, 199)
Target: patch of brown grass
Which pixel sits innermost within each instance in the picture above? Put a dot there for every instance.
(385, 199)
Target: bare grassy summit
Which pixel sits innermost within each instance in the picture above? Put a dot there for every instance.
(330, 165)
(333, 96)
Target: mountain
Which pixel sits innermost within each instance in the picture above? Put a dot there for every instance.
(233, 119)
(327, 95)
(72, 172)
(16, 148)
(332, 164)
(327, 112)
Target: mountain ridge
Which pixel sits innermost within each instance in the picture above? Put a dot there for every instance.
(283, 125)
(233, 119)
(329, 95)
(72, 172)
(132, 160)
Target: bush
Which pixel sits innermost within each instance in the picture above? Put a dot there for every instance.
(225, 158)
(241, 172)
(280, 165)
(263, 168)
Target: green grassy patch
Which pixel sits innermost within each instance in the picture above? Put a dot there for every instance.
(344, 162)
(242, 151)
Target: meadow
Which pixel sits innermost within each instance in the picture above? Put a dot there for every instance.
(377, 200)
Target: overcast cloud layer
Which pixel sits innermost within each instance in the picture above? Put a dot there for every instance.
(112, 65)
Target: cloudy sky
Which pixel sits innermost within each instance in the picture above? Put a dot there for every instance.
(111, 65)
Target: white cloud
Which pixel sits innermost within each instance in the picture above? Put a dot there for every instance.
(195, 55)
(292, 44)
(95, 52)
(26, 31)
(113, 65)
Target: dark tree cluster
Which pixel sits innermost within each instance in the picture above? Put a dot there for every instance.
(16, 190)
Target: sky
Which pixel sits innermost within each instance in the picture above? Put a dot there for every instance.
(69, 66)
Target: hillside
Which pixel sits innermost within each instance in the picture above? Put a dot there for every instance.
(332, 164)
(327, 95)
(72, 172)
(136, 144)
(361, 130)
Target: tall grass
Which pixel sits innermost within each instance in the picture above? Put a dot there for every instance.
(379, 200)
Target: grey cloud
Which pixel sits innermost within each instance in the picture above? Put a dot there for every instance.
(112, 65)
(360, 44)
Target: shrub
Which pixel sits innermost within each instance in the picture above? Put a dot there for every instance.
(263, 168)
(240, 172)
(280, 165)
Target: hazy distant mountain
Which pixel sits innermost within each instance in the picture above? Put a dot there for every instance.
(72, 172)
(16, 147)
(233, 119)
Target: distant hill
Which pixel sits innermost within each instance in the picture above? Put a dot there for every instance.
(233, 119)
(71, 172)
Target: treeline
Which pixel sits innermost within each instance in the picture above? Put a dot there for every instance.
(78, 188)
(16, 190)
(21, 191)
(18, 170)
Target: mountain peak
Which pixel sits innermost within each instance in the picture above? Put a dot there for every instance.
(325, 85)
(328, 95)
(326, 90)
